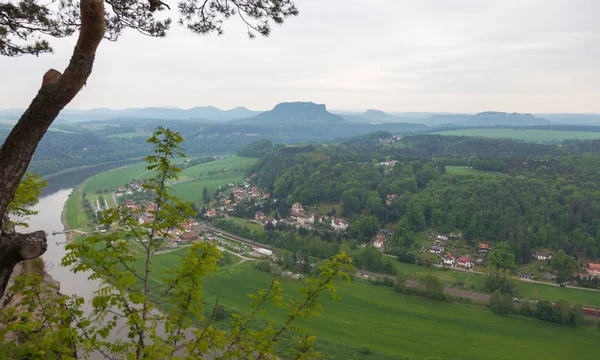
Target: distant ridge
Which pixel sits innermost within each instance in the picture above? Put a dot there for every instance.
(162, 113)
(375, 114)
(295, 113)
(493, 118)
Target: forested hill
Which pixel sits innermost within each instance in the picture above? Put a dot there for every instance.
(547, 200)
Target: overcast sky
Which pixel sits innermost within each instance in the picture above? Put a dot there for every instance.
(426, 55)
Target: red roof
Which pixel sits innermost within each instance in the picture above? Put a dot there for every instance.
(594, 267)
(212, 212)
(484, 246)
(188, 236)
(464, 259)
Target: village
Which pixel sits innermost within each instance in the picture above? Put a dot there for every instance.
(233, 195)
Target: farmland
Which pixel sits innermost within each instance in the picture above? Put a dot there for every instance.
(191, 191)
(394, 325)
(112, 179)
(530, 290)
(461, 170)
(541, 136)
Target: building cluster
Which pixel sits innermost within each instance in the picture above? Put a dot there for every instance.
(439, 248)
(145, 213)
(390, 140)
(240, 193)
(129, 189)
(300, 217)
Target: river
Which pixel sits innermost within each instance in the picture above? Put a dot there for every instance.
(49, 219)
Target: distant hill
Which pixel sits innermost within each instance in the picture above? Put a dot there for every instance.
(375, 114)
(163, 113)
(493, 118)
(295, 113)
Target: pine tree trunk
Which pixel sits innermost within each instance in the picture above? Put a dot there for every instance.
(56, 92)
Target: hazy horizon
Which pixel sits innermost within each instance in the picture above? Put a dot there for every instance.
(463, 56)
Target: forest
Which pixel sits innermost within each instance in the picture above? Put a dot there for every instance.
(549, 198)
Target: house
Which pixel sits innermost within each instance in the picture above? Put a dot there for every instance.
(259, 216)
(526, 277)
(339, 224)
(297, 276)
(267, 195)
(211, 213)
(593, 270)
(186, 227)
(465, 261)
(543, 255)
(297, 207)
(189, 236)
(390, 163)
(448, 260)
(229, 208)
(151, 207)
(390, 198)
(192, 222)
(287, 274)
(122, 188)
(129, 203)
(442, 237)
(484, 247)
(436, 249)
(455, 236)
(271, 220)
(378, 243)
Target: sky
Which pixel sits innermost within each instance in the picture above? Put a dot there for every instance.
(535, 56)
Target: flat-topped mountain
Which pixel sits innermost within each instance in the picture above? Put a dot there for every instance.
(296, 113)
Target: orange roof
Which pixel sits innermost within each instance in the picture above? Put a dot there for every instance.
(484, 246)
(594, 267)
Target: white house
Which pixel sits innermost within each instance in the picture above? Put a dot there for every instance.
(465, 261)
(448, 260)
(543, 255)
(436, 249)
(378, 243)
(442, 237)
(339, 224)
(264, 251)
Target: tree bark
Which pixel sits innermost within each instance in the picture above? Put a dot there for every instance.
(56, 92)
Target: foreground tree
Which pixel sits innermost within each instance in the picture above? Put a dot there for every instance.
(47, 325)
(21, 24)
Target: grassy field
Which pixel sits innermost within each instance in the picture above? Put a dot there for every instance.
(395, 325)
(191, 191)
(114, 178)
(75, 216)
(120, 176)
(526, 135)
(131, 135)
(461, 170)
(528, 290)
(228, 164)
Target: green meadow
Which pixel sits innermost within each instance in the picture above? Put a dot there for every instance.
(530, 290)
(394, 326)
(191, 191)
(461, 170)
(525, 134)
(114, 178)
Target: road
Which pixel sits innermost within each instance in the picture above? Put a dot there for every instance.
(114, 198)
